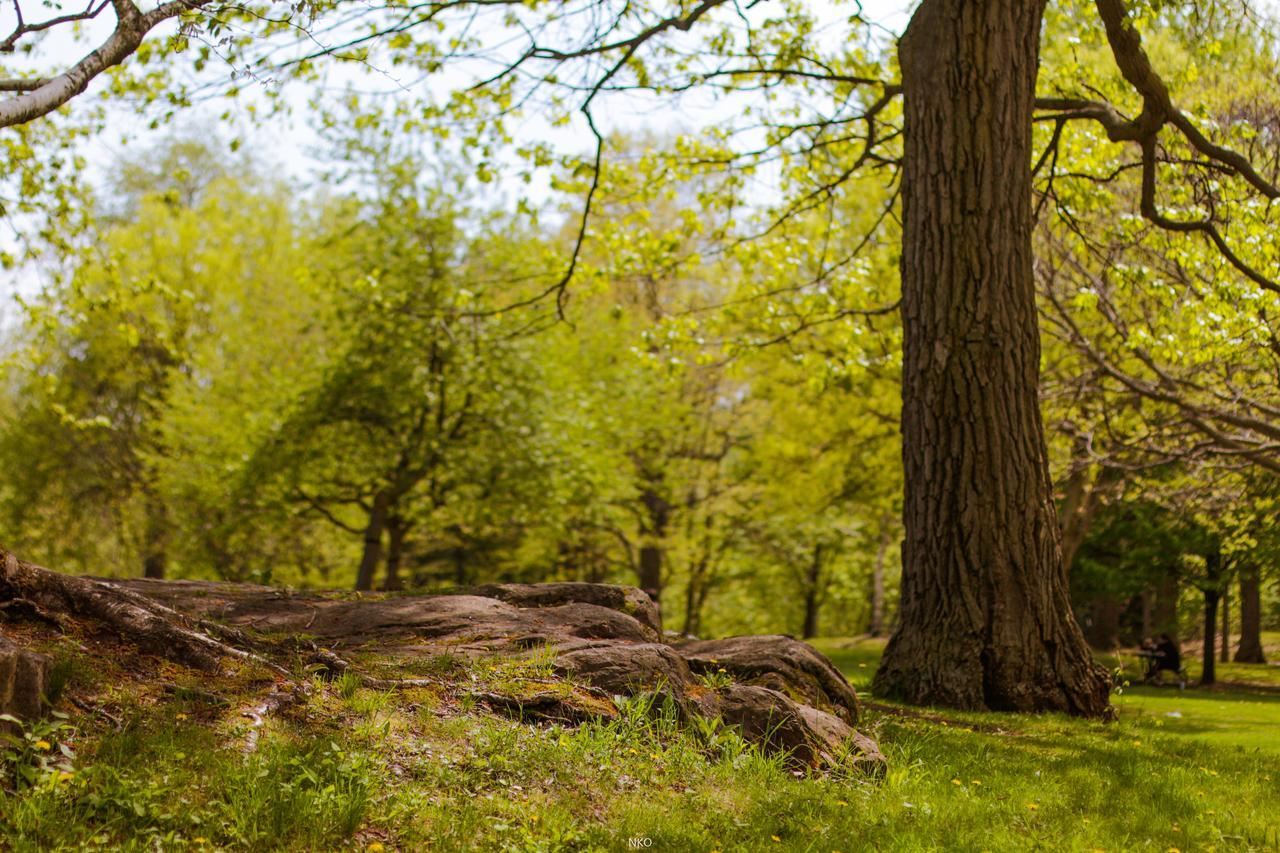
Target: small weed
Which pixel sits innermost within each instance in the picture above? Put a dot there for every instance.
(717, 680)
(36, 751)
(348, 685)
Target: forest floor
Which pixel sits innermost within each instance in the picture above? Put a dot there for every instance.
(160, 757)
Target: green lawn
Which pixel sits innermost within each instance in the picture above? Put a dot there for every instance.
(356, 769)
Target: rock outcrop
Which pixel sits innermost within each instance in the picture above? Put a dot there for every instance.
(778, 691)
(24, 680)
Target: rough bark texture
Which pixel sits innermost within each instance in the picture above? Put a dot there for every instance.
(1250, 648)
(985, 620)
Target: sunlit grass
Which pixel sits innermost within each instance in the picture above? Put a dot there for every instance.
(358, 768)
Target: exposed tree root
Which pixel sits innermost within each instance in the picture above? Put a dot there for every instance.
(281, 697)
(150, 625)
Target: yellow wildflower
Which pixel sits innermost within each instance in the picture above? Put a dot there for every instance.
(1033, 806)
(43, 744)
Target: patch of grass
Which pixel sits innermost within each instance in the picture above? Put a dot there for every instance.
(428, 769)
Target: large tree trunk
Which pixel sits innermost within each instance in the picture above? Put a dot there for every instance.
(372, 554)
(1250, 648)
(985, 619)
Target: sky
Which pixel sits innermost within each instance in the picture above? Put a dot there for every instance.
(288, 142)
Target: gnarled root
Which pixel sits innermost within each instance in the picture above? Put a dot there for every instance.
(149, 624)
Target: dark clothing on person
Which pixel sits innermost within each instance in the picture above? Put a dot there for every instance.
(1167, 656)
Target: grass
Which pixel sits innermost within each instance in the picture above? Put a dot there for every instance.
(362, 769)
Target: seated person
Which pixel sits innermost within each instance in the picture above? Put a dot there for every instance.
(1167, 657)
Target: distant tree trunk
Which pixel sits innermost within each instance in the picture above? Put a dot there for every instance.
(657, 515)
(154, 565)
(1082, 497)
(696, 595)
(690, 618)
(1250, 648)
(1225, 656)
(1148, 606)
(1211, 597)
(372, 554)
(1103, 631)
(985, 617)
(1165, 614)
(155, 561)
(812, 582)
(876, 626)
(397, 529)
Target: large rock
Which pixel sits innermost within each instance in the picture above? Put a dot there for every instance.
(625, 599)
(779, 663)
(24, 680)
(786, 694)
(627, 669)
(808, 736)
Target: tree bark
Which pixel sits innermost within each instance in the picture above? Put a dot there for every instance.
(1250, 648)
(985, 619)
(372, 554)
